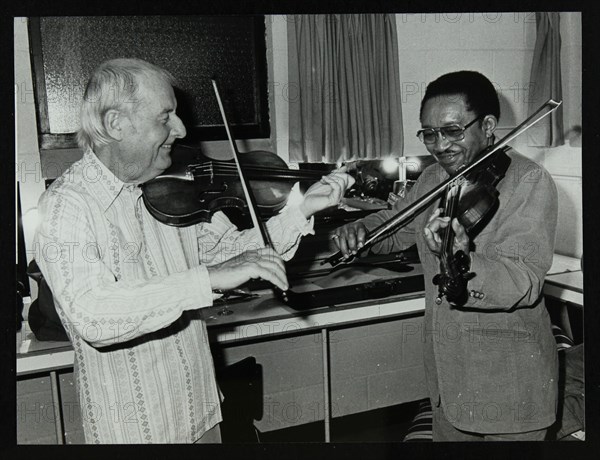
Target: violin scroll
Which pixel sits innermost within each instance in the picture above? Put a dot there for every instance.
(452, 283)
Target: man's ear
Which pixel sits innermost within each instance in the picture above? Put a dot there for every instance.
(490, 122)
(113, 123)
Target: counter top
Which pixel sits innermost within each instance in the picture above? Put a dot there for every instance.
(267, 315)
(261, 316)
(565, 280)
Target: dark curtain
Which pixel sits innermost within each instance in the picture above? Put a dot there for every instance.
(545, 82)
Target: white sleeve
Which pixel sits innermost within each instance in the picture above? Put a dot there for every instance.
(86, 290)
(219, 240)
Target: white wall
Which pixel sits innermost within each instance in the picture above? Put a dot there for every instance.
(279, 91)
(499, 45)
(565, 162)
(27, 158)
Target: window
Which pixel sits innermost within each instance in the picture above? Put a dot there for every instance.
(65, 50)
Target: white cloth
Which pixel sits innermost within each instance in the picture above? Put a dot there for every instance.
(127, 289)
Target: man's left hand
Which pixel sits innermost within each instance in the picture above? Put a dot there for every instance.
(326, 193)
(434, 227)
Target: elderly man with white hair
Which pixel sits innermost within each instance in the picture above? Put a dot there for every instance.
(128, 288)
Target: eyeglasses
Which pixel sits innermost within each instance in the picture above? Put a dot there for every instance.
(451, 132)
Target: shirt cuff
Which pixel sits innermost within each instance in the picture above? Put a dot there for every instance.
(294, 216)
(202, 287)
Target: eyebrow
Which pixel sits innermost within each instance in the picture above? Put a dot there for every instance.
(169, 109)
(454, 123)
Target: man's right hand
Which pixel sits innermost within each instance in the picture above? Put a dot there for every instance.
(262, 263)
(350, 238)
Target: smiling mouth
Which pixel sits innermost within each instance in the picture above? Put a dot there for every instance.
(448, 157)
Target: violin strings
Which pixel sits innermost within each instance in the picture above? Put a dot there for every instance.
(283, 173)
(276, 170)
(450, 209)
(226, 168)
(227, 165)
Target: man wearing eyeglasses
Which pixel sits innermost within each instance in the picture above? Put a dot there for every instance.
(490, 361)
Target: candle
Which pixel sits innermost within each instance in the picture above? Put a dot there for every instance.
(402, 169)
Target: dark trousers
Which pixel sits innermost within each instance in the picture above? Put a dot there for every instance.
(212, 436)
(444, 431)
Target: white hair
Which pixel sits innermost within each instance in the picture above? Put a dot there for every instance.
(113, 85)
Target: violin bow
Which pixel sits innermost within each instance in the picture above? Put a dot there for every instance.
(251, 201)
(407, 214)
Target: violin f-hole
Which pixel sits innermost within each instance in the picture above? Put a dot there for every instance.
(202, 194)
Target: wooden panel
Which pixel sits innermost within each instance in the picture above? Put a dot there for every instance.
(70, 409)
(292, 376)
(35, 413)
(377, 365)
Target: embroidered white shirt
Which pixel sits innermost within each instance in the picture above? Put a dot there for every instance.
(128, 290)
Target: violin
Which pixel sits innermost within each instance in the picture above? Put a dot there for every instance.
(474, 207)
(188, 194)
(472, 200)
(476, 194)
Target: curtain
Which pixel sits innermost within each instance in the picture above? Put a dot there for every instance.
(344, 87)
(545, 82)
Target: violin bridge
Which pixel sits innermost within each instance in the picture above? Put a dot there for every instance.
(190, 171)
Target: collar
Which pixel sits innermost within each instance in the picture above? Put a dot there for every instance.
(101, 182)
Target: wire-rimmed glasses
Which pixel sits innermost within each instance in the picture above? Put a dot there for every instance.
(452, 133)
